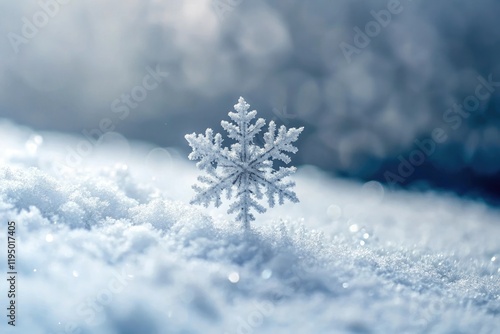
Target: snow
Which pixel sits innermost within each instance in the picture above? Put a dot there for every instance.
(111, 246)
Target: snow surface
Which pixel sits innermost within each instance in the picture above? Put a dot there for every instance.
(112, 247)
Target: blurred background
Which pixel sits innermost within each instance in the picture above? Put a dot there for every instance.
(403, 92)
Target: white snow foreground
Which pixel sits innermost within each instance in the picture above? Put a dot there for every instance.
(112, 248)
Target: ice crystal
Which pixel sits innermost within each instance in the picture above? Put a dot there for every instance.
(245, 170)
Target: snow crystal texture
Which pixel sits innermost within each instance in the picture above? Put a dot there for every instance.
(244, 166)
(113, 247)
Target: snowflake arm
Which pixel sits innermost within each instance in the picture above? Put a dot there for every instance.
(276, 146)
(208, 150)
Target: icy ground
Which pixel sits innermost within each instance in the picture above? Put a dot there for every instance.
(112, 247)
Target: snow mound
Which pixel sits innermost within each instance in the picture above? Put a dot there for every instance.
(113, 248)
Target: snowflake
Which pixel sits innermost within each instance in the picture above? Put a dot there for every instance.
(244, 167)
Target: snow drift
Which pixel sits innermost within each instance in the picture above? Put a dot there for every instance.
(111, 247)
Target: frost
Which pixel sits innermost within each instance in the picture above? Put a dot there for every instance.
(245, 166)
